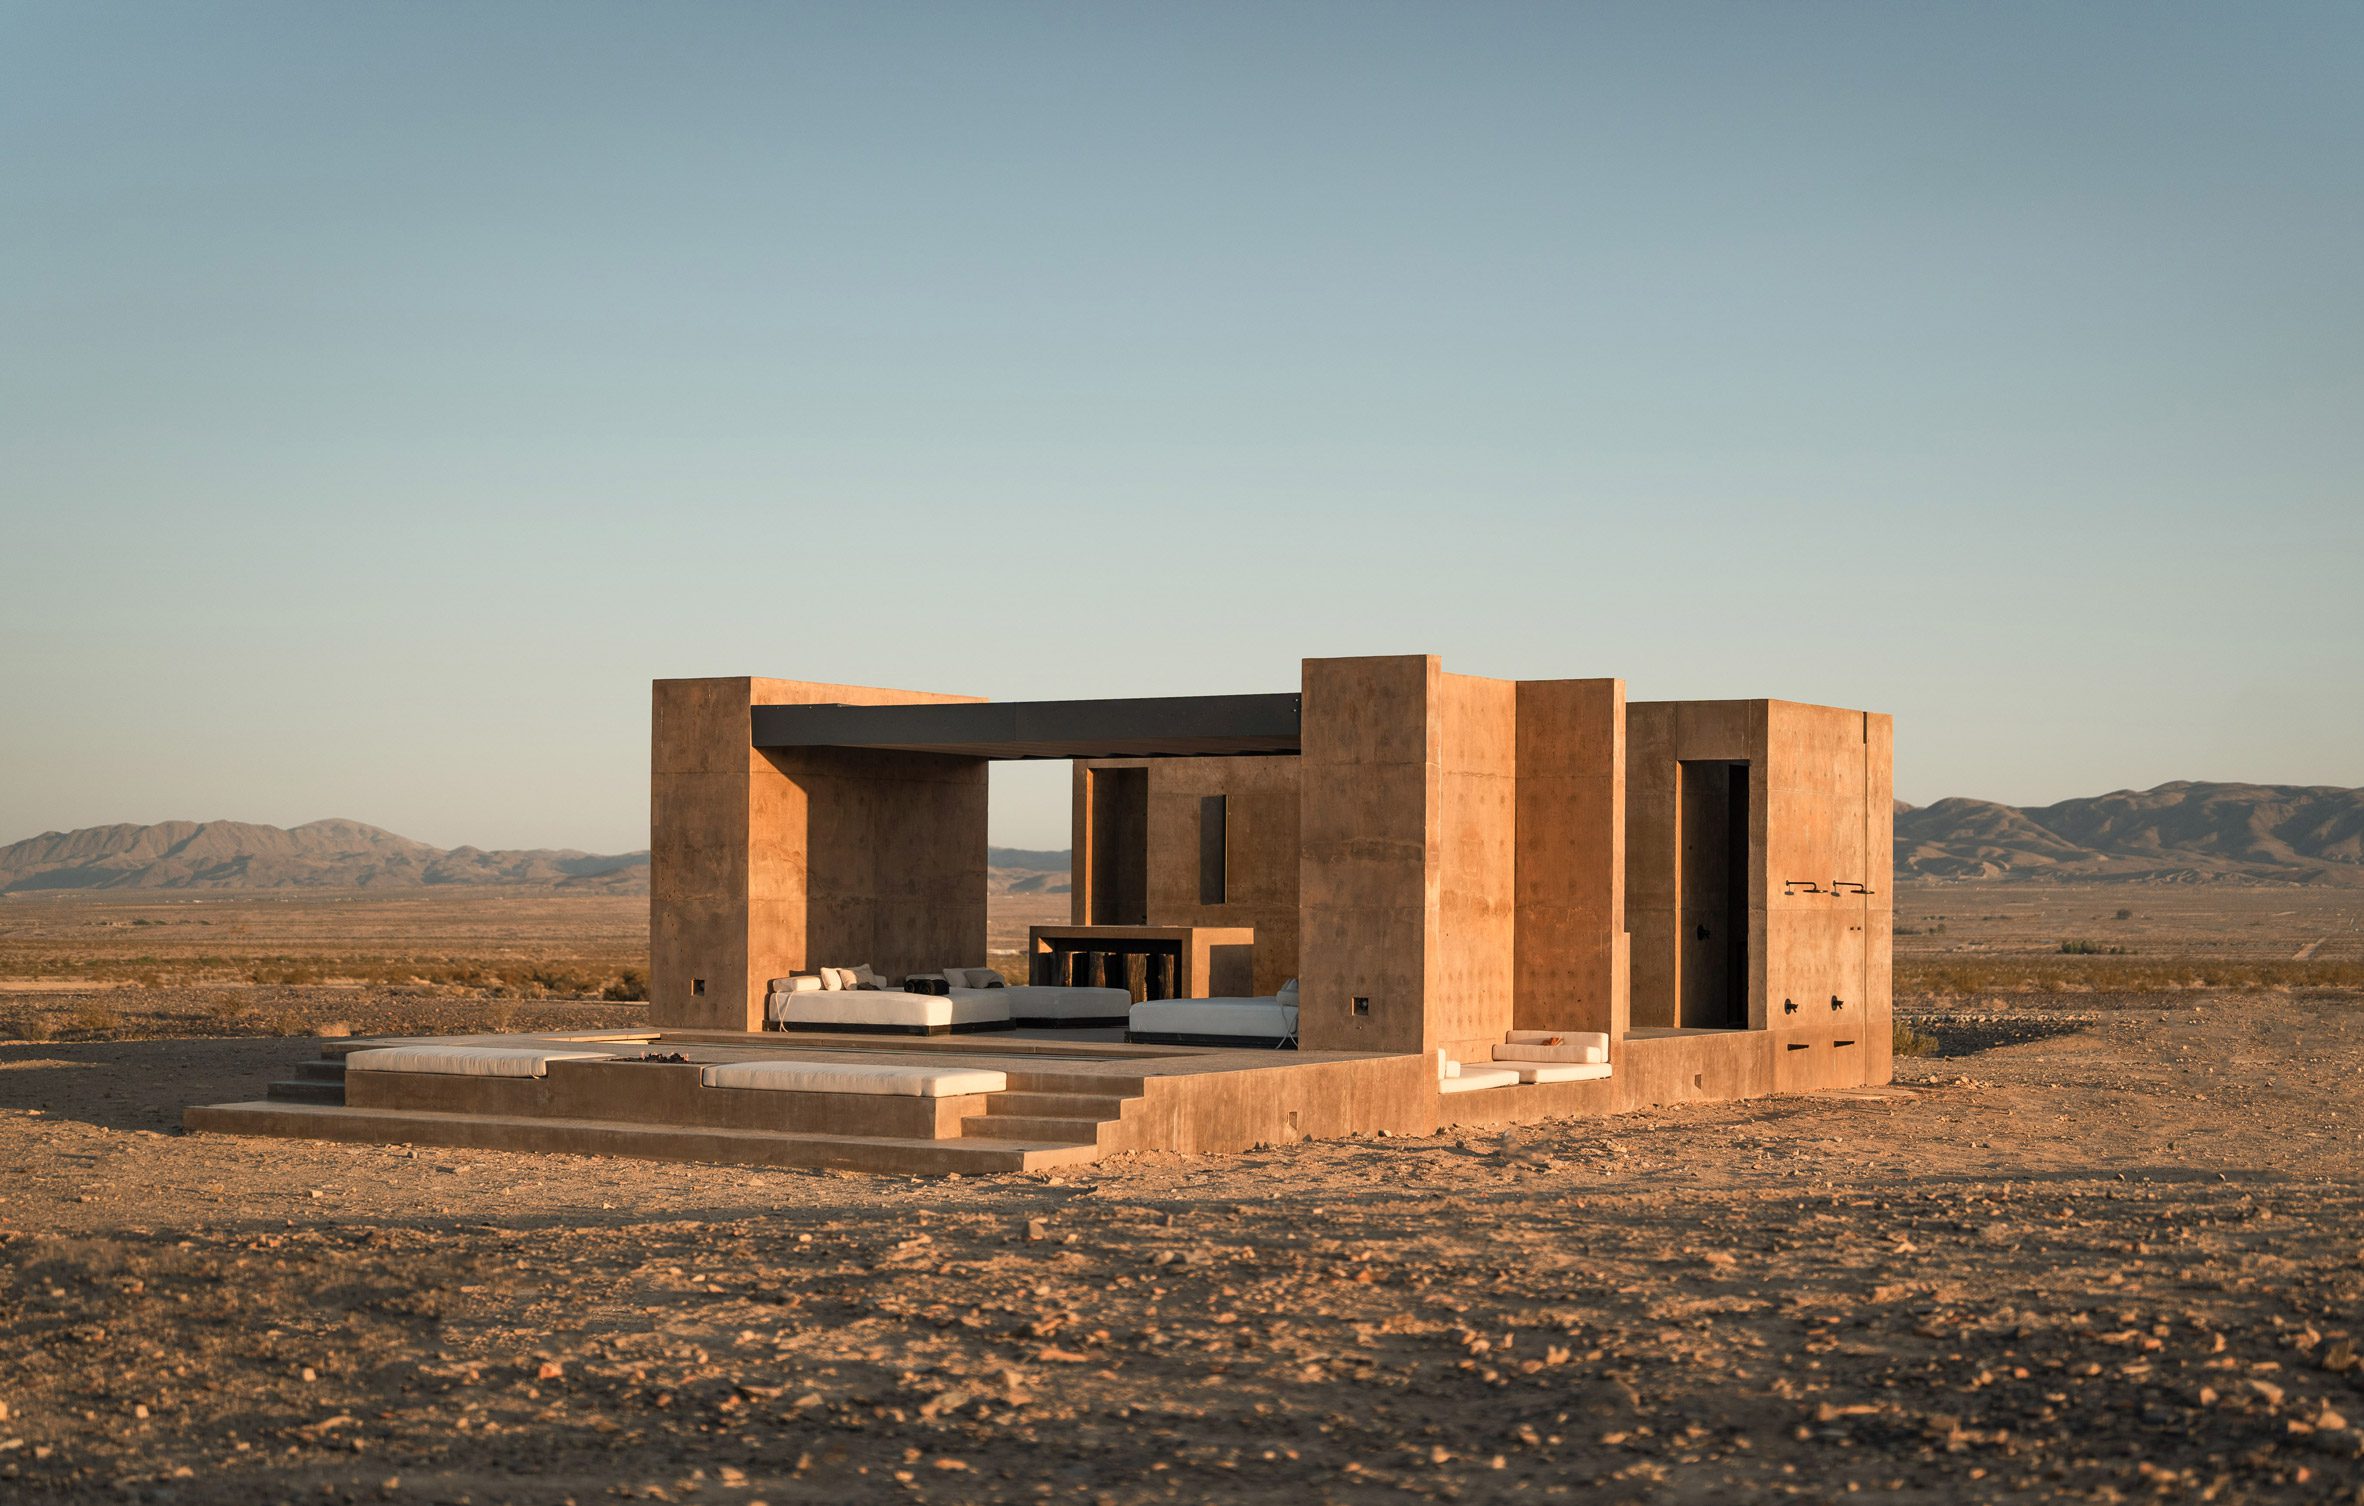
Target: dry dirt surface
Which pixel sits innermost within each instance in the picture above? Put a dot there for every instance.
(2104, 1248)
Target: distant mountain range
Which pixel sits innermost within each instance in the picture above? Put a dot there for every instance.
(316, 855)
(2177, 833)
(352, 855)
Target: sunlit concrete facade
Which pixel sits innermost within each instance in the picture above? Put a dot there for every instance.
(1445, 858)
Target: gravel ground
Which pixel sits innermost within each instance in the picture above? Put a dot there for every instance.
(2098, 1248)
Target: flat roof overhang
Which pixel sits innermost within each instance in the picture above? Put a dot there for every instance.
(1178, 726)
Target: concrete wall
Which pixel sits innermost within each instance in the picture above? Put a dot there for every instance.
(1472, 864)
(1572, 962)
(1366, 792)
(1260, 888)
(762, 864)
(1821, 813)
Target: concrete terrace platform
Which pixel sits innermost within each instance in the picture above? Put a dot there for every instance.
(1070, 1098)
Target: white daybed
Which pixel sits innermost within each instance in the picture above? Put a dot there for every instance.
(809, 1002)
(1041, 1004)
(1269, 1021)
(915, 1081)
(468, 1061)
(1554, 1055)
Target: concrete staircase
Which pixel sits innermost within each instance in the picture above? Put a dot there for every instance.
(321, 1081)
(1044, 1119)
(1058, 1109)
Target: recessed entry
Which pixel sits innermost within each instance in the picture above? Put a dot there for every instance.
(1362, 1005)
(697, 985)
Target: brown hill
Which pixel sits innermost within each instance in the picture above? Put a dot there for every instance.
(2178, 833)
(316, 855)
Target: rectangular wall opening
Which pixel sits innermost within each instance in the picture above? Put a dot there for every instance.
(1120, 847)
(1214, 815)
(1711, 886)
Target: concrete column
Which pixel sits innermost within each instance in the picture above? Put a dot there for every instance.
(1573, 969)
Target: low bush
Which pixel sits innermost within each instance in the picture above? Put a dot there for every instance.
(1912, 1042)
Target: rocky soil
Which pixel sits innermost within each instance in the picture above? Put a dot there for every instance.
(2101, 1249)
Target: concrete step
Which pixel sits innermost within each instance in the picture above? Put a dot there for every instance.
(305, 1090)
(1023, 1080)
(321, 1071)
(608, 1137)
(1031, 1128)
(1059, 1105)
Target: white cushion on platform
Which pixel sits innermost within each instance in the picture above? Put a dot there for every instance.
(1258, 1018)
(854, 1077)
(1535, 1046)
(1472, 1079)
(1053, 1001)
(1559, 1071)
(469, 1061)
(890, 1007)
(800, 983)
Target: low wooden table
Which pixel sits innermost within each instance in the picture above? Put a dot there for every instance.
(1184, 962)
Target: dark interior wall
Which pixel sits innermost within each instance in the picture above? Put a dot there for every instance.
(1119, 863)
(1260, 837)
(1711, 918)
(893, 872)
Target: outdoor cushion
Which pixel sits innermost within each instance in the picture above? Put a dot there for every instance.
(854, 1077)
(1241, 1017)
(468, 1061)
(1534, 1046)
(986, 977)
(1558, 1071)
(798, 984)
(1053, 1001)
(1473, 1079)
(890, 1009)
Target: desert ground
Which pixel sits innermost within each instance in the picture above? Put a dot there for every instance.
(2105, 1242)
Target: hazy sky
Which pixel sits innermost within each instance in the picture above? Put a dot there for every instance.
(389, 392)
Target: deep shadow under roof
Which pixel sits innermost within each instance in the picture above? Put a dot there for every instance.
(1179, 726)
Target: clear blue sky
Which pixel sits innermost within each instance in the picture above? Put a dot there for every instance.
(388, 393)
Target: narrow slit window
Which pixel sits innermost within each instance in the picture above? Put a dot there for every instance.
(1214, 816)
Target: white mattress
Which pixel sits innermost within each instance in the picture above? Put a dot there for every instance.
(1558, 1071)
(874, 1007)
(1247, 1017)
(1472, 1079)
(1052, 1001)
(854, 1077)
(1535, 1046)
(468, 1061)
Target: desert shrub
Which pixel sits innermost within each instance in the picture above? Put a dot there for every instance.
(2125, 915)
(30, 1027)
(229, 1006)
(1912, 1042)
(2090, 949)
(94, 1021)
(334, 1030)
(628, 985)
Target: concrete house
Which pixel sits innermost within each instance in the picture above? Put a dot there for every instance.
(1394, 897)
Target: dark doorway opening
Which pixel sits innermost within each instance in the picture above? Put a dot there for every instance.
(1711, 853)
(1120, 847)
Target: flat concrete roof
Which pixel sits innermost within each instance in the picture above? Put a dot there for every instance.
(1178, 726)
